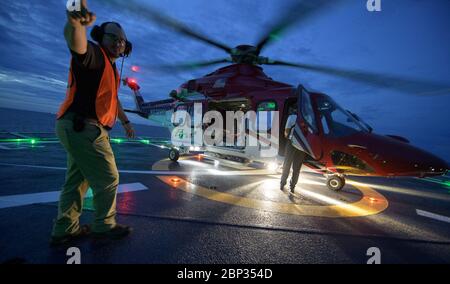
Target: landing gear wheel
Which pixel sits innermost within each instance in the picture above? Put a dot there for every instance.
(335, 183)
(174, 154)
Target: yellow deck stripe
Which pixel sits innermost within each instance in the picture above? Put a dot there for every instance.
(371, 203)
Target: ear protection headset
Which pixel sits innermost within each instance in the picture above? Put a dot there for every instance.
(98, 32)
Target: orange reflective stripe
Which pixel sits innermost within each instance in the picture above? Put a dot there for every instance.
(70, 93)
(106, 104)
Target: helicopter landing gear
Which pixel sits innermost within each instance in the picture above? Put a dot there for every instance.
(335, 182)
(174, 154)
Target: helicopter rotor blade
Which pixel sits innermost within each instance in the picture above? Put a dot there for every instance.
(403, 84)
(192, 65)
(301, 11)
(157, 16)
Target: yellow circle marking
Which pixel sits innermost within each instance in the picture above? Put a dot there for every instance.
(371, 203)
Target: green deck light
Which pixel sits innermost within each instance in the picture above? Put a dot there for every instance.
(445, 183)
(12, 140)
(117, 140)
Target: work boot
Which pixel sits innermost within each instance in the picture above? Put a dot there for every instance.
(292, 189)
(115, 233)
(83, 231)
(282, 186)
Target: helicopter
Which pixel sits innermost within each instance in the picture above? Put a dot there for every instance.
(337, 142)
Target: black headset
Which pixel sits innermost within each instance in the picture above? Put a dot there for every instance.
(98, 32)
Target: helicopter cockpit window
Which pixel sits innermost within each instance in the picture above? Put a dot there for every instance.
(335, 120)
(307, 111)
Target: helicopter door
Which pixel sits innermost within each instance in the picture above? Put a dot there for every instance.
(305, 135)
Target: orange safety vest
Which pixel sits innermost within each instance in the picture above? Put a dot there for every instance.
(106, 101)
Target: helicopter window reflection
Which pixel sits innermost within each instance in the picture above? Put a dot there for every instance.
(326, 130)
(267, 106)
(350, 163)
(335, 120)
(307, 111)
(264, 117)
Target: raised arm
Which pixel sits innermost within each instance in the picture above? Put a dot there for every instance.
(75, 29)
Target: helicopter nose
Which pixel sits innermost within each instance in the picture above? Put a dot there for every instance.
(432, 166)
(398, 158)
(415, 165)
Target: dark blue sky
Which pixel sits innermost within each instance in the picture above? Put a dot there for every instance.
(407, 38)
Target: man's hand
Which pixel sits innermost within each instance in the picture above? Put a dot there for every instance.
(81, 18)
(129, 131)
(75, 29)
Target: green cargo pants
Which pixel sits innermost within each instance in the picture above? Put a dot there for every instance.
(90, 162)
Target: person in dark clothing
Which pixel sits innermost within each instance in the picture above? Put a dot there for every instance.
(293, 157)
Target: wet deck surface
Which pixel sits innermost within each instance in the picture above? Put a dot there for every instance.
(195, 211)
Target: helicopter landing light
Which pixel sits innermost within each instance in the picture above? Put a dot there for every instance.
(272, 166)
(335, 208)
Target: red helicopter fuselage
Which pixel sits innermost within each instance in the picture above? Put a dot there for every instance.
(344, 147)
(336, 140)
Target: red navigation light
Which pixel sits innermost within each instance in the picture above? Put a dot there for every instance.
(135, 68)
(132, 83)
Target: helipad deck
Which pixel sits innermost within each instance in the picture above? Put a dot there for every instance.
(198, 211)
